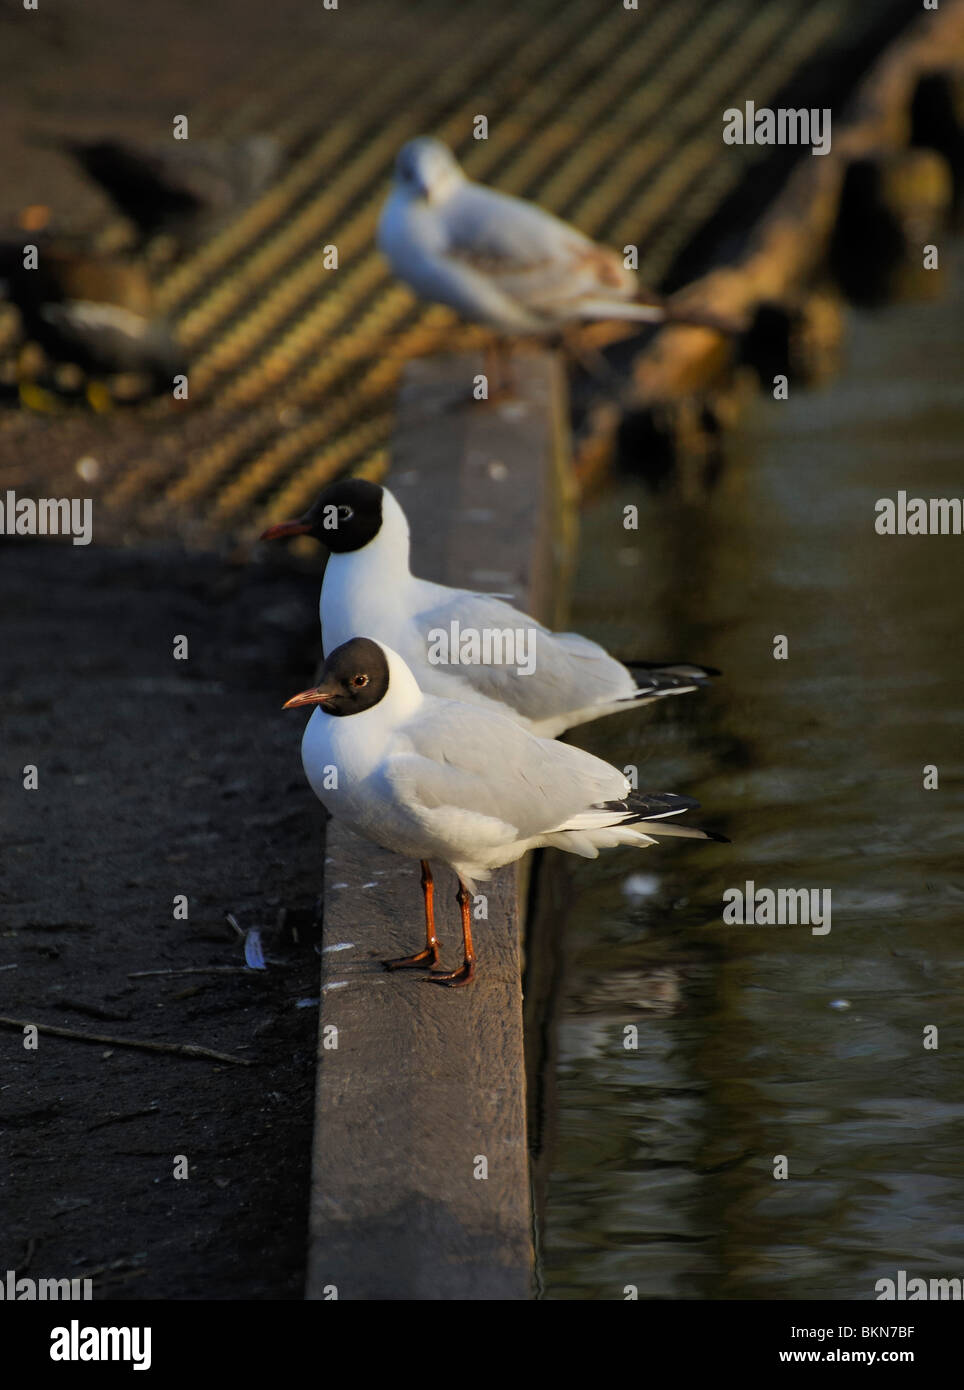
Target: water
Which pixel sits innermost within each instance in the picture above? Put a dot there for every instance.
(757, 1041)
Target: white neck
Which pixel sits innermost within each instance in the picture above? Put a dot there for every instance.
(446, 185)
(404, 696)
(364, 589)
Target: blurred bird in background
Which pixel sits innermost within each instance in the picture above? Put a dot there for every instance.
(85, 323)
(505, 262)
(89, 312)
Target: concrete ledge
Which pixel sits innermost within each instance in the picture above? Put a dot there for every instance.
(425, 1083)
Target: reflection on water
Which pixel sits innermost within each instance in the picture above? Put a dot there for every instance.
(755, 1041)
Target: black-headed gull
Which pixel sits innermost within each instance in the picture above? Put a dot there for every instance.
(445, 634)
(441, 779)
(503, 261)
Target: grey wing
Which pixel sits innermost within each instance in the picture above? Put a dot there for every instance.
(528, 253)
(570, 672)
(466, 759)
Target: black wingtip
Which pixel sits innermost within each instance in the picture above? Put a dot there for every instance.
(720, 839)
(672, 671)
(652, 805)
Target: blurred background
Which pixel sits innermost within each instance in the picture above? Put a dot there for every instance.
(211, 255)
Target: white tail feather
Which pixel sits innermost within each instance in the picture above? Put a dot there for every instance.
(660, 827)
(621, 309)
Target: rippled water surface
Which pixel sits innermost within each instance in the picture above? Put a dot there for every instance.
(755, 1041)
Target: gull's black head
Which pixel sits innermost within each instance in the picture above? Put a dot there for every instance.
(355, 677)
(346, 516)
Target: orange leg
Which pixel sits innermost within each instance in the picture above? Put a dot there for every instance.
(466, 971)
(429, 956)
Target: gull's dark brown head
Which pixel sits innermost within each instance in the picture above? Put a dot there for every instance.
(355, 677)
(346, 516)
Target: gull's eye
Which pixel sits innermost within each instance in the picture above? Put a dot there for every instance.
(345, 513)
(358, 681)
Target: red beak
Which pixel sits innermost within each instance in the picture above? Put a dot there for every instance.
(285, 528)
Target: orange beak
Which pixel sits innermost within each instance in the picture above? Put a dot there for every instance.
(285, 528)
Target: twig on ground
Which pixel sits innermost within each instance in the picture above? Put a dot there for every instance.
(191, 970)
(178, 1049)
